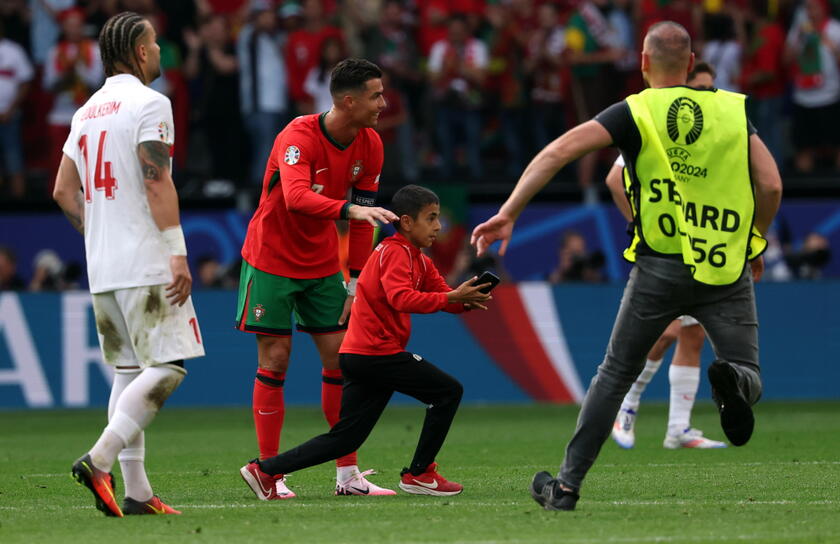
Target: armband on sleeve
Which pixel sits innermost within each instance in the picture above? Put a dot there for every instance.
(363, 198)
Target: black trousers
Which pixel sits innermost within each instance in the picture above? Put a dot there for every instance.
(369, 382)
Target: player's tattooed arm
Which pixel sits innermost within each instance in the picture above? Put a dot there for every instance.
(154, 160)
(160, 189)
(76, 214)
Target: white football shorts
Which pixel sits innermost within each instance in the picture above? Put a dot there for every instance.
(138, 325)
(687, 321)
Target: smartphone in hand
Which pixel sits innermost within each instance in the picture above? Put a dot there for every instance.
(487, 277)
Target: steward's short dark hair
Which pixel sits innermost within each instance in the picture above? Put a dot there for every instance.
(352, 75)
(411, 199)
(117, 39)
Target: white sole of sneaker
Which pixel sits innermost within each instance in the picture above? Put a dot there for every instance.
(420, 490)
(671, 443)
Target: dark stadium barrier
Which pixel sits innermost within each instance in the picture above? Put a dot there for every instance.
(531, 256)
(538, 343)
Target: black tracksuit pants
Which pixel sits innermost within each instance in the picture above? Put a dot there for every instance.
(369, 382)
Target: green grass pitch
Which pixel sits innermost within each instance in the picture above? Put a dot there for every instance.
(783, 487)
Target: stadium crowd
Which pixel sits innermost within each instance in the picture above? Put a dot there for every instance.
(474, 89)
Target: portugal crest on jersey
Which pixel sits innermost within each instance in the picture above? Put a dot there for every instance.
(356, 170)
(292, 155)
(259, 312)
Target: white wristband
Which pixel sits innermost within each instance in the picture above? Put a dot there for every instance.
(173, 237)
(351, 287)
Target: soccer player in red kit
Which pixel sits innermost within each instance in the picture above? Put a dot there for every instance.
(397, 280)
(290, 255)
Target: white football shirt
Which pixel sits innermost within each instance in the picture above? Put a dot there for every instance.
(123, 245)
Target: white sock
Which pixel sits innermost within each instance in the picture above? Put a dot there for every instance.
(102, 452)
(134, 410)
(133, 467)
(684, 382)
(631, 400)
(342, 474)
(132, 457)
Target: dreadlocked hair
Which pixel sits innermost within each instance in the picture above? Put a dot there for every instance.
(117, 39)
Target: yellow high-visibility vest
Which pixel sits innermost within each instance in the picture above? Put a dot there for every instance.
(690, 186)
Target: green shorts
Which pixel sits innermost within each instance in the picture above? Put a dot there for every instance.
(266, 303)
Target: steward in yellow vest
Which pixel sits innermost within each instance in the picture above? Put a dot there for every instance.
(700, 180)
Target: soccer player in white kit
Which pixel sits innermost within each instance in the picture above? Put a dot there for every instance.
(115, 186)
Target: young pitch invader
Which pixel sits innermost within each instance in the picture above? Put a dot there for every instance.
(397, 280)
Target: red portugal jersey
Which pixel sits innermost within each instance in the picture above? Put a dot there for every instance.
(305, 186)
(398, 280)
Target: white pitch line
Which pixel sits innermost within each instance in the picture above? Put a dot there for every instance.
(371, 502)
(529, 467)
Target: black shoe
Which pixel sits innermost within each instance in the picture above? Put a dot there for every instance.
(550, 495)
(736, 416)
(154, 505)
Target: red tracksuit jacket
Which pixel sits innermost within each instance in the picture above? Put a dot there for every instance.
(397, 280)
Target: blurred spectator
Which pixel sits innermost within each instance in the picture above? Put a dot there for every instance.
(457, 70)
(263, 83)
(170, 57)
(397, 133)
(15, 75)
(9, 280)
(229, 8)
(593, 46)
(775, 266)
(505, 40)
(210, 272)
(762, 76)
(14, 18)
(813, 49)
(173, 84)
(303, 51)
(45, 29)
(627, 65)
(48, 272)
(390, 44)
(432, 25)
(722, 50)
(355, 17)
(702, 76)
(212, 69)
(812, 257)
(317, 84)
(544, 63)
(575, 262)
(291, 18)
(688, 13)
(72, 73)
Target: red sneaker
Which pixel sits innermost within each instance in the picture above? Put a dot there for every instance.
(265, 486)
(429, 483)
(100, 484)
(151, 506)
